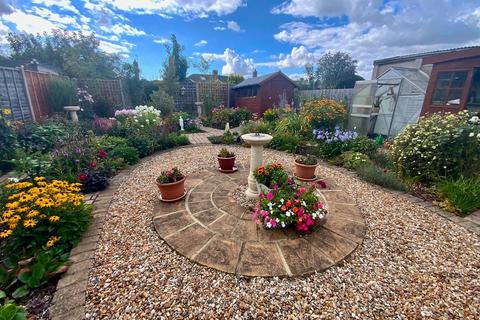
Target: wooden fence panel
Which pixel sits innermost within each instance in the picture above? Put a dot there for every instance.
(37, 84)
(13, 94)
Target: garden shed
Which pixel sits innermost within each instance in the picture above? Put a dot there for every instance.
(260, 93)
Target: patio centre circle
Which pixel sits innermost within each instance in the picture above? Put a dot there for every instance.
(212, 229)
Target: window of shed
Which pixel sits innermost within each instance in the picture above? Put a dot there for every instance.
(449, 88)
(473, 101)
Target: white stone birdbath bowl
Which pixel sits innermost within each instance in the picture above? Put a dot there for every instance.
(72, 110)
(256, 141)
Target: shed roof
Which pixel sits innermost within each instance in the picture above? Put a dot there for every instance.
(420, 55)
(257, 81)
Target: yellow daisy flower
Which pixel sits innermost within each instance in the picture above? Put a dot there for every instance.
(29, 223)
(54, 218)
(5, 234)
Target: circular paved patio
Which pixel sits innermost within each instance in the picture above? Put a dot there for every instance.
(212, 229)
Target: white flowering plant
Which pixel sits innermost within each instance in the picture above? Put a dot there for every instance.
(146, 116)
(439, 145)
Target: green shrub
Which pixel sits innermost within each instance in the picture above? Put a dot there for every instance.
(7, 145)
(362, 144)
(353, 160)
(324, 113)
(294, 124)
(129, 154)
(178, 139)
(41, 136)
(382, 159)
(61, 93)
(163, 102)
(271, 115)
(143, 144)
(226, 138)
(109, 143)
(385, 178)
(256, 127)
(239, 115)
(463, 193)
(439, 145)
(330, 150)
(284, 142)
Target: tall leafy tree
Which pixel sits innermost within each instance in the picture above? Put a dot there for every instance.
(311, 76)
(235, 78)
(131, 74)
(174, 54)
(336, 70)
(74, 54)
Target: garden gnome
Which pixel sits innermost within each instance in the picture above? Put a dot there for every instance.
(180, 121)
(227, 127)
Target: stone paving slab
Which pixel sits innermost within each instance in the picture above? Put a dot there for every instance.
(212, 229)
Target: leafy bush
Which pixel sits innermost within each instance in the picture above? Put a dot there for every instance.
(333, 143)
(256, 127)
(239, 115)
(171, 140)
(108, 143)
(163, 102)
(102, 126)
(95, 181)
(383, 177)
(129, 154)
(60, 93)
(382, 159)
(221, 115)
(41, 136)
(226, 138)
(353, 160)
(324, 113)
(143, 144)
(293, 124)
(439, 145)
(284, 142)
(271, 115)
(7, 144)
(102, 108)
(463, 193)
(362, 144)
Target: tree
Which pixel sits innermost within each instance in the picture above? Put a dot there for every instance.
(130, 72)
(74, 54)
(336, 70)
(163, 102)
(169, 82)
(234, 79)
(180, 63)
(311, 76)
(203, 65)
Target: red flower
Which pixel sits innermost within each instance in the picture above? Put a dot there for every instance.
(82, 177)
(289, 204)
(385, 170)
(295, 209)
(92, 164)
(284, 208)
(321, 184)
(102, 153)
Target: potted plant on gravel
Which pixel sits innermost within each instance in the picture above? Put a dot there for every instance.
(171, 184)
(226, 160)
(305, 167)
(271, 176)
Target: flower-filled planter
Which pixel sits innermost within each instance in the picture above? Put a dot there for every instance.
(305, 168)
(290, 206)
(226, 161)
(171, 184)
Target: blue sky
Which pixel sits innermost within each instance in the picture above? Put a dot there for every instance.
(240, 35)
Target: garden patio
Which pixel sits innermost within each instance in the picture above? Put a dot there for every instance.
(359, 239)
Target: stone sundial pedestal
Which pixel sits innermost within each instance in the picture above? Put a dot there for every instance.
(256, 141)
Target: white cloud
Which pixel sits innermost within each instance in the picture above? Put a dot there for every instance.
(122, 29)
(201, 43)
(219, 28)
(62, 4)
(234, 26)
(234, 63)
(5, 7)
(29, 23)
(298, 57)
(377, 29)
(189, 8)
(59, 20)
(121, 49)
(161, 40)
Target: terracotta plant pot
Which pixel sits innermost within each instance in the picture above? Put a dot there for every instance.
(172, 191)
(305, 171)
(226, 164)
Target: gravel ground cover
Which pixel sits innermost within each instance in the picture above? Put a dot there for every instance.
(412, 264)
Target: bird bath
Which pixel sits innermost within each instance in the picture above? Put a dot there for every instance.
(256, 141)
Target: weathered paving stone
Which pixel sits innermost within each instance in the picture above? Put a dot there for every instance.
(346, 211)
(221, 254)
(223, 201)
(264, 235)
(337, 197)
(208, 216)
(302, 258)
(162, 208)
(189, 240)
(347, 228)
(260, 259)
(224, 225)
(245, 230)
(205, 187)
(199, 196)
(234, 209)
(168, 224)
(200, 206)
(334, 246)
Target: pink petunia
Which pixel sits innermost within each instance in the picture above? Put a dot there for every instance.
(269, 196)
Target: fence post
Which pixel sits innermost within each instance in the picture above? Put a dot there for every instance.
(27, 92)
(121, 93)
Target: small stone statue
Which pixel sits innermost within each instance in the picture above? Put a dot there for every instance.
(180, 122)
(227, 127)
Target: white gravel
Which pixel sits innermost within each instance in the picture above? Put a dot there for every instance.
(412, 264)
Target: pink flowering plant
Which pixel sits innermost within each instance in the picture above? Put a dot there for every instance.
(289, 206)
